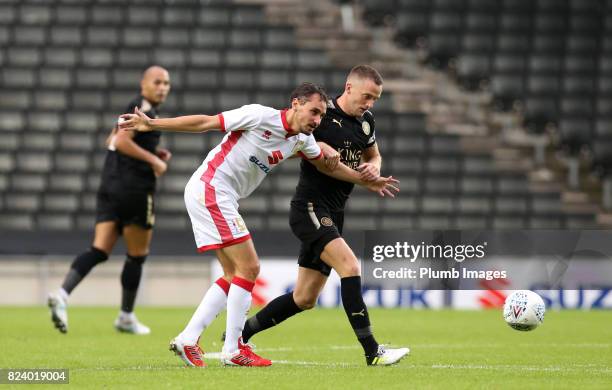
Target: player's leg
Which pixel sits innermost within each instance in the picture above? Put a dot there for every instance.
(137, 241)
(308, 287)
(246, 265)
(186, 344)
(105, 237)
(341, 258)
(214, 301)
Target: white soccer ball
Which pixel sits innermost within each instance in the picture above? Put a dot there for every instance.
(524, 310)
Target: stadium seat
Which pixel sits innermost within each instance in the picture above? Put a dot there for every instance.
(23, 202)
(54, 221)
(138, 15)
(213, 16)
(7, 162)
(71, 15)
(138, 36)
(174, 37)
(35, 14)
(15, 221)
(61, 57)
(61, 202)
(34, 162)
(107, 15)
(19, 77)
(97, 57)
(102, 36)
(440, 184)
(45, 121)
(30, 35)
(278, 37)
(481, 205)
(35, 182)
(55, 78)
(71, 162)
(39, 141)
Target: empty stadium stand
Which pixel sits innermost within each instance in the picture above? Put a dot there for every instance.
(69, 67)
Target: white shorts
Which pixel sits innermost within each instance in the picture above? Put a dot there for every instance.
(214, 215)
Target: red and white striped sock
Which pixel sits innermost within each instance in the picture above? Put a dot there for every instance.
(238, 304)
(212, 304)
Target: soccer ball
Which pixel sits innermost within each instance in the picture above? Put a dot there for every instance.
(524, 310)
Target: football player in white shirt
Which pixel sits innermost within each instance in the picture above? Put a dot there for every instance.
(258, 139)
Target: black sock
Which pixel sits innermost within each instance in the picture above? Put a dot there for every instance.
(357, 313)
(130, 280)
(81, 266)
(275, 312)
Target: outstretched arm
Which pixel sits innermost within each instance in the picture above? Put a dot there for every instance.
(139, 121)
(382, 185)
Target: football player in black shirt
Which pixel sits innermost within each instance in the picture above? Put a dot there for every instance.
(124, 206)
(317, 215)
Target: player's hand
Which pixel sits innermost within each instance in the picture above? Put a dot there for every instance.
(331, 160)
(138, 121)
(159, 167)
(384, 186)
(330, 155)
(163, 154)
(368, 172)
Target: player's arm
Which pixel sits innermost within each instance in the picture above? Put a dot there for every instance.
(330, 155)
(124, 143)
(382, 185)
(371, 163)
(139, 121)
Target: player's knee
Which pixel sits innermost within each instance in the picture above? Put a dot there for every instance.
(349, 267)
(250, 271)
(304, 302)
(353, 269)
(87, 260)
(140, 260)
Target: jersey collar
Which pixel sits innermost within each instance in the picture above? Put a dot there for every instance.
(336, 106)
(286, 126)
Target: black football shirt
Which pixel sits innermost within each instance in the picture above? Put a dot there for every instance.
(350, 136)
(122, 173)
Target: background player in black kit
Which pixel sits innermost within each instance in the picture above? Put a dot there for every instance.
(124, 206)
(317, 215)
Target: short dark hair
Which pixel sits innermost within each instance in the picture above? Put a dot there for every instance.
(366, 72)
(305, 90)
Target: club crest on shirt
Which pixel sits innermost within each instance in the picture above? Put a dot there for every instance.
(326, 221)
(237, 226)
(297, 147)
(365, 126)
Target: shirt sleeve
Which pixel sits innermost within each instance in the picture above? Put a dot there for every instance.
(311, 150)
(244, 118)
(371, 140)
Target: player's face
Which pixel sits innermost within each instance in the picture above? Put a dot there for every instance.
(309, 114)
(156, 86)
(361, 95)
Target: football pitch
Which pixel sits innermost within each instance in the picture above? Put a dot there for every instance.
(318, 350)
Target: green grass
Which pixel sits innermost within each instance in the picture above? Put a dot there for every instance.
(317, 350)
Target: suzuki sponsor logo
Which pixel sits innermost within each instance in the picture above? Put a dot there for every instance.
(261, 165)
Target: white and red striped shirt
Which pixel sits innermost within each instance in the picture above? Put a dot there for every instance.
(257, 140)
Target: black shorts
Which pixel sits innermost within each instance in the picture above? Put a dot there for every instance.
(130, 208)
(315, 226)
